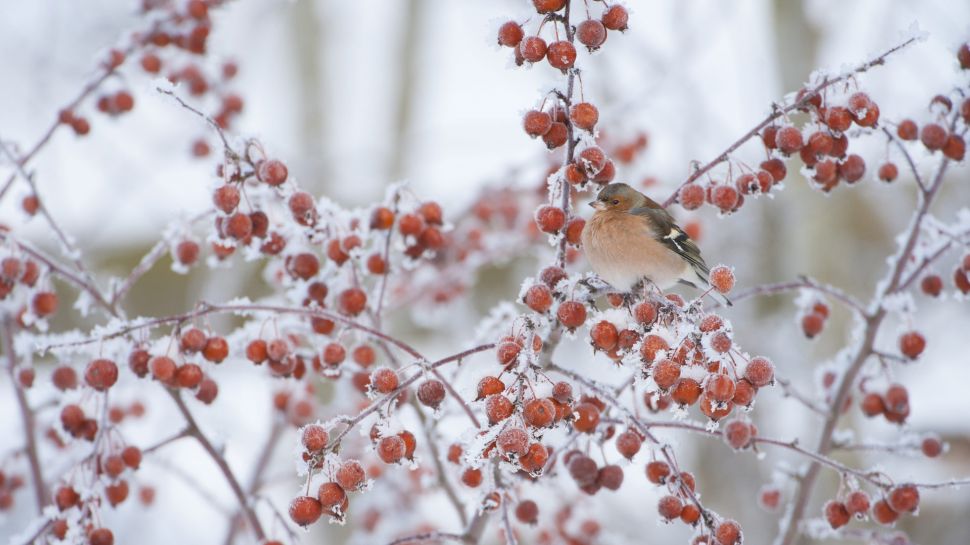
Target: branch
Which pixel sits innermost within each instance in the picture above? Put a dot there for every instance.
(862, 353)
(804, 282)
(26, 418)
(782, 111)
(430, 537)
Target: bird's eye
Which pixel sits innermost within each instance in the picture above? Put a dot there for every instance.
(616, 202)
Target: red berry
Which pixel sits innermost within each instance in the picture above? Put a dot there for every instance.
(836, 514)
(604, 336)
(722, 278)
(931, 446)
(513, 441)
(912, 344)
(498, 408)
(776, 168)
(536, 123)
(933, 136)
(163, 368)
(872, 404)
(527, 512)
(838, 119)
(101, 374)
(857, 503)
(955, 148)
(888, 172)
(691, 196)
(272, 172)
(657, 472)
(883, 513)
(720, 388)
(571, 314)
(539, 412)
(587, 417)
(760, 371)
(351, 475)
(64, 378)
(665, 373)
(562, 392)
(510, 34)
(315, 438)
(670, 507)
(591, 33)
(963, 55)
(305, 510)
(215, 350)
(561, 55)
(907, 130)
(725, 197)
(812, 324)
(583, 469)
(548, 6)
(789, 140)
(44, 303)
(472, 477)
(101, 536)
(852, 168)
(728, 532)
(645, 313)
(352, 301)
(685, 392)
(331, 494)
(610, 477)
(615, 17)
(584, 115)
(904, 498)
(557, 135)
(431, 393)
(391, 449)
(384, 380)
(188, 375)
(551, 219)
(532, 48)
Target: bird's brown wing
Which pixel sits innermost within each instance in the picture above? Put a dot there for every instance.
(668, 233)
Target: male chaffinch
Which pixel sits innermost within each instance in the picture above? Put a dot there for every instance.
(631, 238)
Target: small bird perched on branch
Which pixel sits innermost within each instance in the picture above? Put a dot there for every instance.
(631, 239)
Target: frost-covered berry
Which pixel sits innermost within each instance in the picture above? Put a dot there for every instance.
(838, 119)
(532, 48)
(789, 140)
(628, 444)
(315, 438)
(472, 477)
(658, 471)
(352, 301)
(725, 197)
(872, 404)
(776, 168)
(852, 168)
(562, 392)
(498, 408)
(513, 441)
(539, 298)
(665, 373)
(728, 532)
(272, 172)
(907, 130)
(536, 123)
(760, 371)
(489, 385)
(391, 449)
(883, 513)
(888, 172)
(587, 417)
(686, 392)
(510, 34)
(591, 33)
(737, 434)
(955, 148)
(691, 196)
(904, 498)
(645, 313)
(584, 115)
(101, 536)
(571, 314)
(101, 374)
(912, 344)
(550, 219)
(351, 475)
(305, 510)
(722, 278)
(556, 136)
(670, 507)
(384, 380)
(431, 393)
(933, 136)
(583, 469)
(931, 446)
(836, 514)
(615, 17)
(604, 336)
(539, 412)
(857, 503)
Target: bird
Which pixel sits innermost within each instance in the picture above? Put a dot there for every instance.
(631, 239)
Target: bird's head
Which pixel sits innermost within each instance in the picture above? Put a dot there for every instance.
(618, 197)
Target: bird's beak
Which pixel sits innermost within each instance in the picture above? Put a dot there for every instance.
(597, 205)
